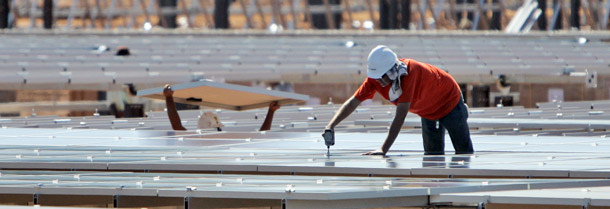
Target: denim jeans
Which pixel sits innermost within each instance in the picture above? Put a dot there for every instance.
(456, 124)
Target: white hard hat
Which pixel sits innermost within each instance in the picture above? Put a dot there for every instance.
(381, 59)
(208, 120)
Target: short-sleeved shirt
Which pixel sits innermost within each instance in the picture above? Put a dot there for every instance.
(432, 92)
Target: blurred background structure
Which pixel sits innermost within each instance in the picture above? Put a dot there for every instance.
(505, 15)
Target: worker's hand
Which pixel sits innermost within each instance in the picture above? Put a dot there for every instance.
(375, 152)
(167, 91)
(273, 106)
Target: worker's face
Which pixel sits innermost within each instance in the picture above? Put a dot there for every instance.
(384, 80)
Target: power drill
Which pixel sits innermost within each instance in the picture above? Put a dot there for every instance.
(329, 139)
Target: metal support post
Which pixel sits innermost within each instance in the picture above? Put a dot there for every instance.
(110, 14)
(71, 14)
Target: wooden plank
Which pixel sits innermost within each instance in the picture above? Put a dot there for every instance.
(226, 96)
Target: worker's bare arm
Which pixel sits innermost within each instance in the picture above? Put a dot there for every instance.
(273, 106)
(346, 109)
(401, 113)
(172, 113)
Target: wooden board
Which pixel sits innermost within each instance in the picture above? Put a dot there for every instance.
(225, 96)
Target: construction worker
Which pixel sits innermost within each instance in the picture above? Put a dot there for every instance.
(208, 119)
(414, 87)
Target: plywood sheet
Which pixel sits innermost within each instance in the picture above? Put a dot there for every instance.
(223, 95)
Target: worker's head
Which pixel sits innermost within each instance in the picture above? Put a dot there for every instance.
(130, 88)
(380, 61)
(123, 51)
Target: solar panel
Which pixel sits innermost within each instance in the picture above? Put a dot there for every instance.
(582, 197)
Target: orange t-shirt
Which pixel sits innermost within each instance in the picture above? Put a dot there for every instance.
(432, 92)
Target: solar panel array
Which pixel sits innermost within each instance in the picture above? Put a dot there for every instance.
(295, 153)
(569, 119)
(205, 190)
(74, 61)
(141, 162)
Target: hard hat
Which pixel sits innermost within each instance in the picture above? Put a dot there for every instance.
(208, 120)
(380, 60)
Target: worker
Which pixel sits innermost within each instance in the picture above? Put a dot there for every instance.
(125, 103)
(208, 119)
(415, 87)
(502, 85)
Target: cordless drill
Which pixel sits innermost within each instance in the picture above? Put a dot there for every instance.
(329, 139)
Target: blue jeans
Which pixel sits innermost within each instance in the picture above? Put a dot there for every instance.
(455, 122)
